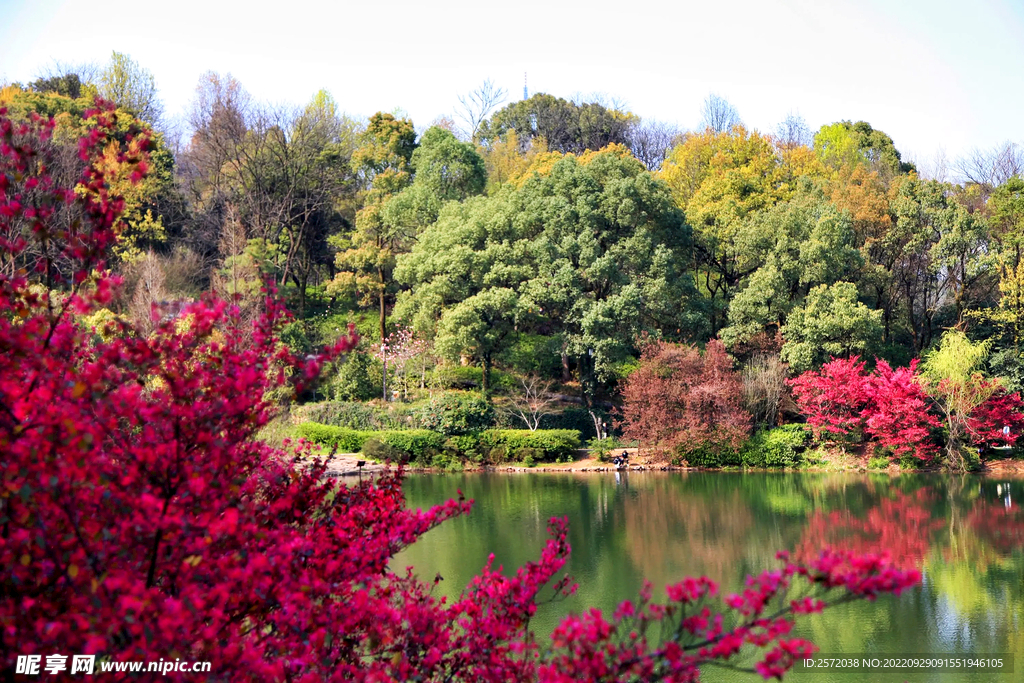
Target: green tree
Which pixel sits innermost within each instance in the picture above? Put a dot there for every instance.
(941, 256)
(594, 249)
(287, 181)
(831, 322)
(480, 327)
(567, 127)
(73, 82)
(720, 179)
(851, 144)
(1006, 206)
(366, 260)
(1006, 319)
(463, 272)
(801, 243)
(445, 170)
(131, 86)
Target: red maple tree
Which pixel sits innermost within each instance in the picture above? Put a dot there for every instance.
(898, 414)
(999, 421)
(833, 398)
(891, 408)
(681, 396)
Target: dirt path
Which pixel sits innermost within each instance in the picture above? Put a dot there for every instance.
(347, 465)
(1007, 467)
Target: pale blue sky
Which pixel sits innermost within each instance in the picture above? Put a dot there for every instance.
(931, 73)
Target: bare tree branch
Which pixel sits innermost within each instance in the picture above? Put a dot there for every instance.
(993, 167)
(793, 132)
(532, 401)
(477, 106)
(650, 141)
(718, 114)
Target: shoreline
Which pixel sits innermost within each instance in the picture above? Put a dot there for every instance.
(345, 465)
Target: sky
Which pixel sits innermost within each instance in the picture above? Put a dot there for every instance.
(939, 76)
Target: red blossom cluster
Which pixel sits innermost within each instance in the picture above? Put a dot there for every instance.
(671, 642)
(140, 518)
(890, 407)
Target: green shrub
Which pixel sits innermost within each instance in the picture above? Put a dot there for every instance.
(404, 415)
(464, 447)
(375, 449)
(470, 377)
(346, 440)
(701, 457)
(389, 445)
(878, 462)
(602, 448)
(816, 457)
(447, 461)
(426, 448)
(730, 457)
(415, 444)
(705, 456)
(777, 447)
(454, 413)
(351, 415)
(543, 444)
(358, 378)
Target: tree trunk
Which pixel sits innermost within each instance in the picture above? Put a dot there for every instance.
(383, 309)
(566, 375)
(956, 443)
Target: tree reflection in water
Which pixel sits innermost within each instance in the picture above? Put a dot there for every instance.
(965, 533)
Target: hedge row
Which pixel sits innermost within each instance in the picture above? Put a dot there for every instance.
(422, 445)
(522, 444)
(344, 439)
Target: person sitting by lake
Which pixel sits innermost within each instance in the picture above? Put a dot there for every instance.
(621, 459)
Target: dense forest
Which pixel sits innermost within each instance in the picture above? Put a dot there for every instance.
(552, 240)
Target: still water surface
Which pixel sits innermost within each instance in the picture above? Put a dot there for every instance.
(965, 533)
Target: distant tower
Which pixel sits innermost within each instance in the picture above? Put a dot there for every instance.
(526, 94)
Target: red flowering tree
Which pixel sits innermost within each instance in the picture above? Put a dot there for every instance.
(141, 519)
(681, 396)
(898, 414)
(894, 409)
(833, 398)
(888, 406)
(999, 421)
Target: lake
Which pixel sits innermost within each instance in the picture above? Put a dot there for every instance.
(965, 533)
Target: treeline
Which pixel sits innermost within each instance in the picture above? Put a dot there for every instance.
(551, 236)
